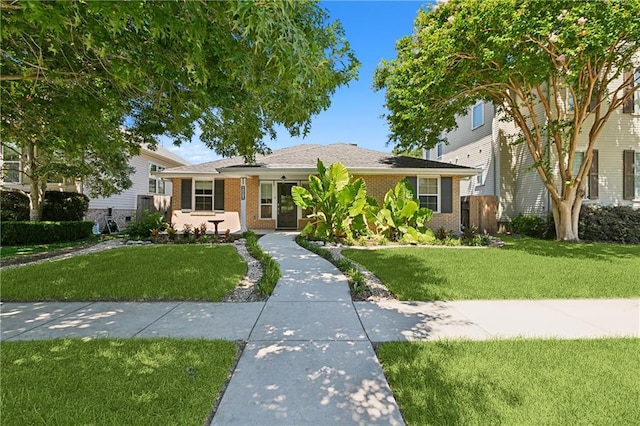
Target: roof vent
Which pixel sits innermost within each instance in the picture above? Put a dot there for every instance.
(353, 144)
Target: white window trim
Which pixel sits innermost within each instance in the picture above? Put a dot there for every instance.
(213, 193)
(481, 109)
(480, 176)
(636, 94)
(273, 207)
(636, 188)
(159, 168)
(438, 195)
(4, 162)
(567, 106)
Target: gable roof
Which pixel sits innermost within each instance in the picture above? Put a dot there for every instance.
(303, 159)
(163, 153)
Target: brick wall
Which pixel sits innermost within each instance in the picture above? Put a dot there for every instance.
(176, 198)
(253, 205)
(377, 187)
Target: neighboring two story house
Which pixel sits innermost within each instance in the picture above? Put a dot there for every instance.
(148, 191)
(482, 140)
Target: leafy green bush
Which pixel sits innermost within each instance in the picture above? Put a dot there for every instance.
(64, 206)
(339, 204)
(14, 206)
(533, 226)
(619, 224)
(148, 222)
(401, 217)
(58, 206)
(271, 269)
(18, 233)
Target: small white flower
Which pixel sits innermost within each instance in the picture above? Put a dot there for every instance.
(450, 19)
(561, 58)
(582, 20)
(553, 37)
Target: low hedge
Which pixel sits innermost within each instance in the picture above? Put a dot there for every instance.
(58, 206)
(616, 224)
(271, 270)
(19, 233)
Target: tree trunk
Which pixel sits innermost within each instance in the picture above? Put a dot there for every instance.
(566, 214)
(36, 199)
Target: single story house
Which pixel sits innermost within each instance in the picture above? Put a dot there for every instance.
(258, 196)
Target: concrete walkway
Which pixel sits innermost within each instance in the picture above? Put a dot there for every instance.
(309, 357)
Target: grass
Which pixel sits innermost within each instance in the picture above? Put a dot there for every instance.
(515, 382)
(525, 268)
(27, 250)
(104, 381)
(144, 273)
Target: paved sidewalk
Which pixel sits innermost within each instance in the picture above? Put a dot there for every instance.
(309, 358)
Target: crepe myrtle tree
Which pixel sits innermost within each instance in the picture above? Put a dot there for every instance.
(523, 56)
(236, 70)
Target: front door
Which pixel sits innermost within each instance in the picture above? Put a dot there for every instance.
(287, 210)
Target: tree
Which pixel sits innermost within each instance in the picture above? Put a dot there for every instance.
(236, 70)
(521, 55)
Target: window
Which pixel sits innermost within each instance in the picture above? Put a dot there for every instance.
(439, 150)
(156, 185)
(570, 103)
(578, 159)
(636, 97)
(480, 176)
(204, 195)
(477, 115)
(428, 193)
(266, 200)
(427, 154)
(10, 164)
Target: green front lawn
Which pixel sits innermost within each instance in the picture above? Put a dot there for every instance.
(117, 382)
(525, 268)
(515, 382)
(28, 250)
(146, 273)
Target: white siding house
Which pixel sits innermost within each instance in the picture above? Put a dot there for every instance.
(146, 188)
(507, 168)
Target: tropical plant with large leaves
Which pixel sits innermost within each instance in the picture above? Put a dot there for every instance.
(339, 203)
(401, 218)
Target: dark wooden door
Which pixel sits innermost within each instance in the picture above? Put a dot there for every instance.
(287, 209)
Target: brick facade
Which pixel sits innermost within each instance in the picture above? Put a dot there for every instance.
(377, 187)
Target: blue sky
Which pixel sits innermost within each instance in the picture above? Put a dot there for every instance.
(372, 28)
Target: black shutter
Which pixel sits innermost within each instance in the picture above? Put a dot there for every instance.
(628, 104)
(593, 176)
(628, 174)
(414, 183)
(185, 194)
(446, 186)
(218, 194)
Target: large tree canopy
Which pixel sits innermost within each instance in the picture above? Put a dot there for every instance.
(522, 55)
(234, 69)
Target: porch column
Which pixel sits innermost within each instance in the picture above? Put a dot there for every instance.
(243, 204)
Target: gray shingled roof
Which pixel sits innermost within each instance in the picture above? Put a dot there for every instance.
(306, 156)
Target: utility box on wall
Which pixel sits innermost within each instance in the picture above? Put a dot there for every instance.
(480, 211)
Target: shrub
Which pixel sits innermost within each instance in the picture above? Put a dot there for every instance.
(148, 222)
(58, 206)
(19, 233)
(14, 206)
(533, 226)
(271, 269)
(619, 224)
(64, 206)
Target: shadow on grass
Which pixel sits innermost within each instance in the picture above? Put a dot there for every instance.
(576, 250)
(429, 390)
(420, 281)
